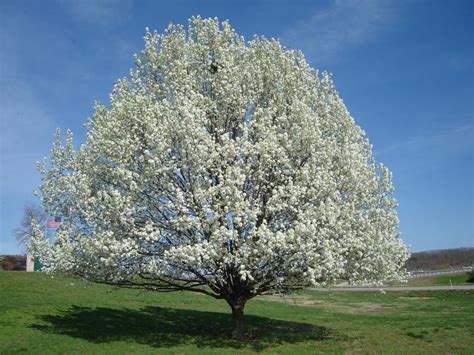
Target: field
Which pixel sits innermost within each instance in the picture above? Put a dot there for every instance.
(440, 280)
(40, 314)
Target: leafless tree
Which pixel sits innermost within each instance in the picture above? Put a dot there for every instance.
(441, 259)
(23, 232)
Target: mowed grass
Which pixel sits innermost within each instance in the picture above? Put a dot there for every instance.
(455, 279)
(44, 315)
(440, 280)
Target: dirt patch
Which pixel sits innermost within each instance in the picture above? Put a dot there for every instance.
(310, 302)
(364, 307)
(296, 300)
(351, 308)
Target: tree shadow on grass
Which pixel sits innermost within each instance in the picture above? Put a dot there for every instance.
(164, 327)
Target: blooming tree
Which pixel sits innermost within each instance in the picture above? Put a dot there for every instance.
(224, 167)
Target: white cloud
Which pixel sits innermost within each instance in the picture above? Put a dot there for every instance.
(99, 12)
(431, 153)
(24, 119)
(26, 126)
(454, 139)
(343, 24)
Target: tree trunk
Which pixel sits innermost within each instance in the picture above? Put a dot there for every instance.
(238, 320)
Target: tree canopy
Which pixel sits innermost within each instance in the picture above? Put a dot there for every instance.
(225, 167)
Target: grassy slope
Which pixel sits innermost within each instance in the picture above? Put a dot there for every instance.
(43, 315)
(440, 280)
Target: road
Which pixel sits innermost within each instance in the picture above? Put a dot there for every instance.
(398, 289)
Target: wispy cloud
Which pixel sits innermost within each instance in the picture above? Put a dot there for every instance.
(420, 155)
(25, 125)
(99, 12)
(24, 122)
(453, 139)
(342, 24)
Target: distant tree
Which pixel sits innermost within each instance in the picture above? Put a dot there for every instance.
(470, 277)
(440, 259)
(13, 263)
(224, 167)
(24, 232)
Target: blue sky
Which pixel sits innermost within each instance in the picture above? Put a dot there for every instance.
(405, 70)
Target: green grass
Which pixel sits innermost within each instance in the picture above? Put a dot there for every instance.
(39, 314)
(455, 279)
(440, 280)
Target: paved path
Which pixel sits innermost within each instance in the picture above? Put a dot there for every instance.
(399, 289)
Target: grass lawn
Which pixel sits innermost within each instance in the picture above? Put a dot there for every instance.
(39, 314)
(440, 280)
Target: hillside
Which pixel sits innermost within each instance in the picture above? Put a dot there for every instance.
(13, 262)
(425, 260)
(441, 259)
